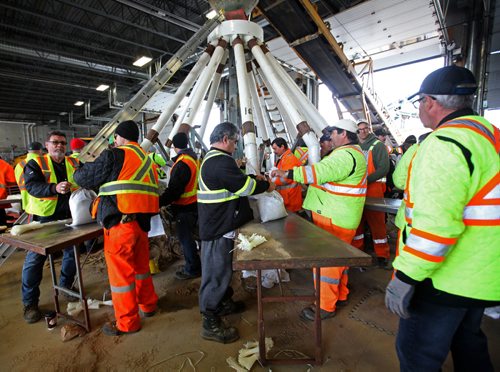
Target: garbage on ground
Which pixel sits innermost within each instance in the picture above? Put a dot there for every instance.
(249, 243)
(248, 355)
(269, 277)
(74, 308)
(70, 331)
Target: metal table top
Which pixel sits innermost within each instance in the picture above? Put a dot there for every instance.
(53, 238)
(383, 205)
(9, 201)
(294, 243)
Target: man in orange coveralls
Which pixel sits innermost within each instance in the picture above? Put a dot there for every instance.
(7, 179)
(128, 197)
(290, 191)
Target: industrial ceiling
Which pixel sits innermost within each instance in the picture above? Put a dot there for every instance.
(54, 53)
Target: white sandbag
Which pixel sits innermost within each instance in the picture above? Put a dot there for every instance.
(80, 202)
(271, 206)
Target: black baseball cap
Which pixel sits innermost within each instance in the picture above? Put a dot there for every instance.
(449, 80)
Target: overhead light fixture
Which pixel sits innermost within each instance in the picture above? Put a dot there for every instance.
(211, 14)
(142, 61)
(63, 113)
(78, 103)
(102, 87)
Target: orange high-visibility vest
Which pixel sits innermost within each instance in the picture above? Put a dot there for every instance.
(136, 187)
(189, 194)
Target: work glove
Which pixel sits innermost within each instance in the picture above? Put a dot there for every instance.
(397, 297)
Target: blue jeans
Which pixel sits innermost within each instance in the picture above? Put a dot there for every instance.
(33, 271)
(424, 339)
(186, 225)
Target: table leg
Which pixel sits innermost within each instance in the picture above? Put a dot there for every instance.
(54, 284)
(83, 299)
(80, 294)
(317, 319)
(260, 321)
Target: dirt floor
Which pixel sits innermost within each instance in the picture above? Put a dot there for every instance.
(360, 338)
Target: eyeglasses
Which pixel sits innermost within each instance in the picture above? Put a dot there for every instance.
(416, 103)
(363, 129)
(55, 143)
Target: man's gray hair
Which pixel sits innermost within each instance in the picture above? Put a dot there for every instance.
(224, 129)
(454, 102)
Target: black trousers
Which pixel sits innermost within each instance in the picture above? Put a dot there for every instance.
(216, 273)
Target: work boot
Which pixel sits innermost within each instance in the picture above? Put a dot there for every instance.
(309, 313)
(229, 306)
(184, 275)
(214, 330)
(110, 329)
(148, 314)
(31, 313)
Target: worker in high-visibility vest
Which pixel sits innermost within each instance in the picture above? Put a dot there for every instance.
(448, 266)
(290, 191)
(181, 195)
(377, 159)
(128, 198)
(35, 149)
(76, 145)
(223, 207)
(301, 151)
(7, 180)
(49, 181)
(335, 197)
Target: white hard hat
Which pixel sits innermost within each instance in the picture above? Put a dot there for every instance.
(346, 124)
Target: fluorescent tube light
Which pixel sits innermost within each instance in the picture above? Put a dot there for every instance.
(78, 103)
(211, 14)
(102, 87)
(142, 61)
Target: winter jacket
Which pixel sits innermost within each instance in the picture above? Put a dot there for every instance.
(451, 235)
(222, 199)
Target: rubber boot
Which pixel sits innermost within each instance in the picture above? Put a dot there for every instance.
(214, 330)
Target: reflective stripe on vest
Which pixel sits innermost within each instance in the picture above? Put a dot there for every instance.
(358, 190)
(46, 206)
(136, 183)
(136, 188)
(369, 161)
(428, 246)
(479, 128)
(207, 196)
(484, 208)
(303, 154)
(191, 189)
(21, 181)
(406, 194)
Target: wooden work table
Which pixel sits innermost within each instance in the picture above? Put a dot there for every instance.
(294, 243)
(52, 239)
